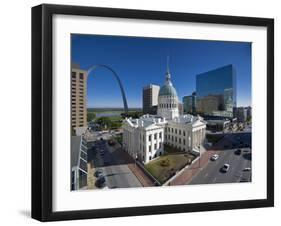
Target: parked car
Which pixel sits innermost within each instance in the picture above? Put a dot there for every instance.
(247, 169)
(98, 173)
(225, 168)
(100, 183)
(214, 157)
(111, 142)
(244, 180)
(238, 152)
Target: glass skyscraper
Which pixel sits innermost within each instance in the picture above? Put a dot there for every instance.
(216, 92)
(189, 103)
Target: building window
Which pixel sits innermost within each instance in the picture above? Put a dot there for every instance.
(166, 129)
(179, 132)
(81, 76)
(160, 135)
(180, 140)
(149, 157)
(160, 144)
(73, 74)
(172, 130)
(172, 138)
(155, 136)
(183, 133)
(184, 141)
(149, 138)
(176, 131)
(149, 148)
(155, 146)
(169, 136)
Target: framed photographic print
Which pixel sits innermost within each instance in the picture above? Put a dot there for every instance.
(146, 112)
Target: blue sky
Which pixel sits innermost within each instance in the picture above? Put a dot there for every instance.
(140, 61)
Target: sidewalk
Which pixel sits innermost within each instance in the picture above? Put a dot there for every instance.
(197, 166)
(143, 179)
(193, 169)
(91, 179)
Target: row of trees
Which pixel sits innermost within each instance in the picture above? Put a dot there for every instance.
(108, 123)
(111, 122)
(133, 114)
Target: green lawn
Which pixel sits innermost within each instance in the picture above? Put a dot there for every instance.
(166, 166)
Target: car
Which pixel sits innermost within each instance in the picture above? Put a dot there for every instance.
(225, 168)
(238, 152)
(98, 173)
(247, 169)
(244, 180)
(105, 187)
(100, 182)
(215, 157)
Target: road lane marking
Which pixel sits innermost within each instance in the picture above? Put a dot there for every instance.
(215, 179)
(206, 175)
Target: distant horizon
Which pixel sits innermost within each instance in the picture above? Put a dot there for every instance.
(142, 61)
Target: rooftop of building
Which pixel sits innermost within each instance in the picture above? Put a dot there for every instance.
(75, 150)
(151, 86)
(148, 120)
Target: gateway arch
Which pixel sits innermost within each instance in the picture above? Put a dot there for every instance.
(117, 78)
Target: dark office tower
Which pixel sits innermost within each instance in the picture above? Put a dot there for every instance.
(216, 92)
(189, 103)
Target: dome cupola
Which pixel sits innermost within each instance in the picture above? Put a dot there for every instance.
(168, 98)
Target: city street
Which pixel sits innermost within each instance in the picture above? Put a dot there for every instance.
(211, 173)
(114, 168)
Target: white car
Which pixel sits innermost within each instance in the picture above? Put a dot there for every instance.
(247, 169)
(225, 168)
(214, 157)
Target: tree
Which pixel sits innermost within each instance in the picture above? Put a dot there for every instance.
(104, 122)
(133, 114)
(91, 116)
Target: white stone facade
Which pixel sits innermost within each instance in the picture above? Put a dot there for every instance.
(168, 107)
(144, 138)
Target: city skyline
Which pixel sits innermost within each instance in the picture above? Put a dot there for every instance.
(142, 61)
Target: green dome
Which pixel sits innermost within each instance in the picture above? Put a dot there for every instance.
(168, 90)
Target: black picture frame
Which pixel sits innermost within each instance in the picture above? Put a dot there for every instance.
(42, 108)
